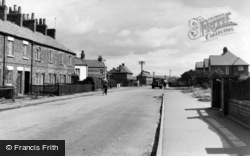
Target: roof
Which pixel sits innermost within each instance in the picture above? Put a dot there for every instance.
(199, 65)
(226, 59)
(144, 74)
(206, 63)
(11, 29)
(161, 76)
(121, 69)
(90, 63)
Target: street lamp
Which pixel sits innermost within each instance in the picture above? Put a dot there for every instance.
(141, 63)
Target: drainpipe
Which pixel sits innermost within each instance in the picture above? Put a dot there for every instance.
(4, 51)
(31, 68)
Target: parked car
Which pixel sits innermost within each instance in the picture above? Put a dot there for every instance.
(157, 82)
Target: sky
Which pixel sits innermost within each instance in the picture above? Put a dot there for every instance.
(154, 31)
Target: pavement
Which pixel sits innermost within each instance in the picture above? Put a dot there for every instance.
(193, 128)
(29, 101)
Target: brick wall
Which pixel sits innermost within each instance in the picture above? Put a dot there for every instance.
(20, 63)
(240, 111)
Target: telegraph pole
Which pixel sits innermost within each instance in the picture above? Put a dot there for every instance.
(141, 63)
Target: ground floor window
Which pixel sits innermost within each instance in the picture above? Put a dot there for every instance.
(10, 77)
(37, 79)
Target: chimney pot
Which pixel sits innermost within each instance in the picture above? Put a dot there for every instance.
(3, 2)
(44, 21)
(10, 10)
(82, 55)
(15, 8)
(19, 10)
(40, 21)
(28, 16)
(225, 50)
(24, 17)
(32, 16)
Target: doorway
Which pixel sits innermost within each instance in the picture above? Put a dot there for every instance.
(27, 82)
(19, 82)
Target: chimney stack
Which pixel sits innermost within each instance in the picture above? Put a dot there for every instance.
(42, 27)
(15, 16)
(224, 50)
(3, 11)
(100, 58)
(51, 33)
(30, 23)
(82, 55)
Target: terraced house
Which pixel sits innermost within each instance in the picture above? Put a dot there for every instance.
(30, 53)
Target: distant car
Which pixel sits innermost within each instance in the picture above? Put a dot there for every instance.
(157, 82)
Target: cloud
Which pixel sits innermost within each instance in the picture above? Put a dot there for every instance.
(126, 31)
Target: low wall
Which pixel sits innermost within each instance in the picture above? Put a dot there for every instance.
(240, 111)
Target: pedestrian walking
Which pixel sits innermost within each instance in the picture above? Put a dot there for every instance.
(164, 84)
(105, 86)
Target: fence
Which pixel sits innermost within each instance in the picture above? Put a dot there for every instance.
(61, 89)
(240, 90)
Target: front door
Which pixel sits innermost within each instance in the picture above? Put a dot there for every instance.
(42, 79)
(27, 82)
(19, 82)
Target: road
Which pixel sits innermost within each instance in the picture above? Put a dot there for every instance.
(122, 123)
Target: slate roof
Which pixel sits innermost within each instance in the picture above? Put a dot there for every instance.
(90, 63)
(14, 30)
(145, 74)
(226, 59)
(121, 69)
(199, 65)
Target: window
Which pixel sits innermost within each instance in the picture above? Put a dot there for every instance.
(240, 68)
(50, 78)
(10, 48)
(50, 56)
(25, 51)
(37, 79)
(61, 78)
(69, 60)
(10, 77)
(77, 70)
(101, 71)
(69, 79)
(61, 59)
(64, 79)
(54, 79)
(227, 70)
(38, 54)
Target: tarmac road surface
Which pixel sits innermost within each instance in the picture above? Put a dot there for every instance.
(123, 123)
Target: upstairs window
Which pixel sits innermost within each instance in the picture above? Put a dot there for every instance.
(70, 60)
(38, 54)
(10, 46)
(25, 49)
(61, 59)
(50, 56)
(240, 68)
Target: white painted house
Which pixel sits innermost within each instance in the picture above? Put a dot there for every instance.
(81, 68)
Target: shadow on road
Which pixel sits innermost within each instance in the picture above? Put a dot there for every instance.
(234, 137)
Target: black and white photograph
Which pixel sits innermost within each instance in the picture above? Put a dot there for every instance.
(124, 78)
